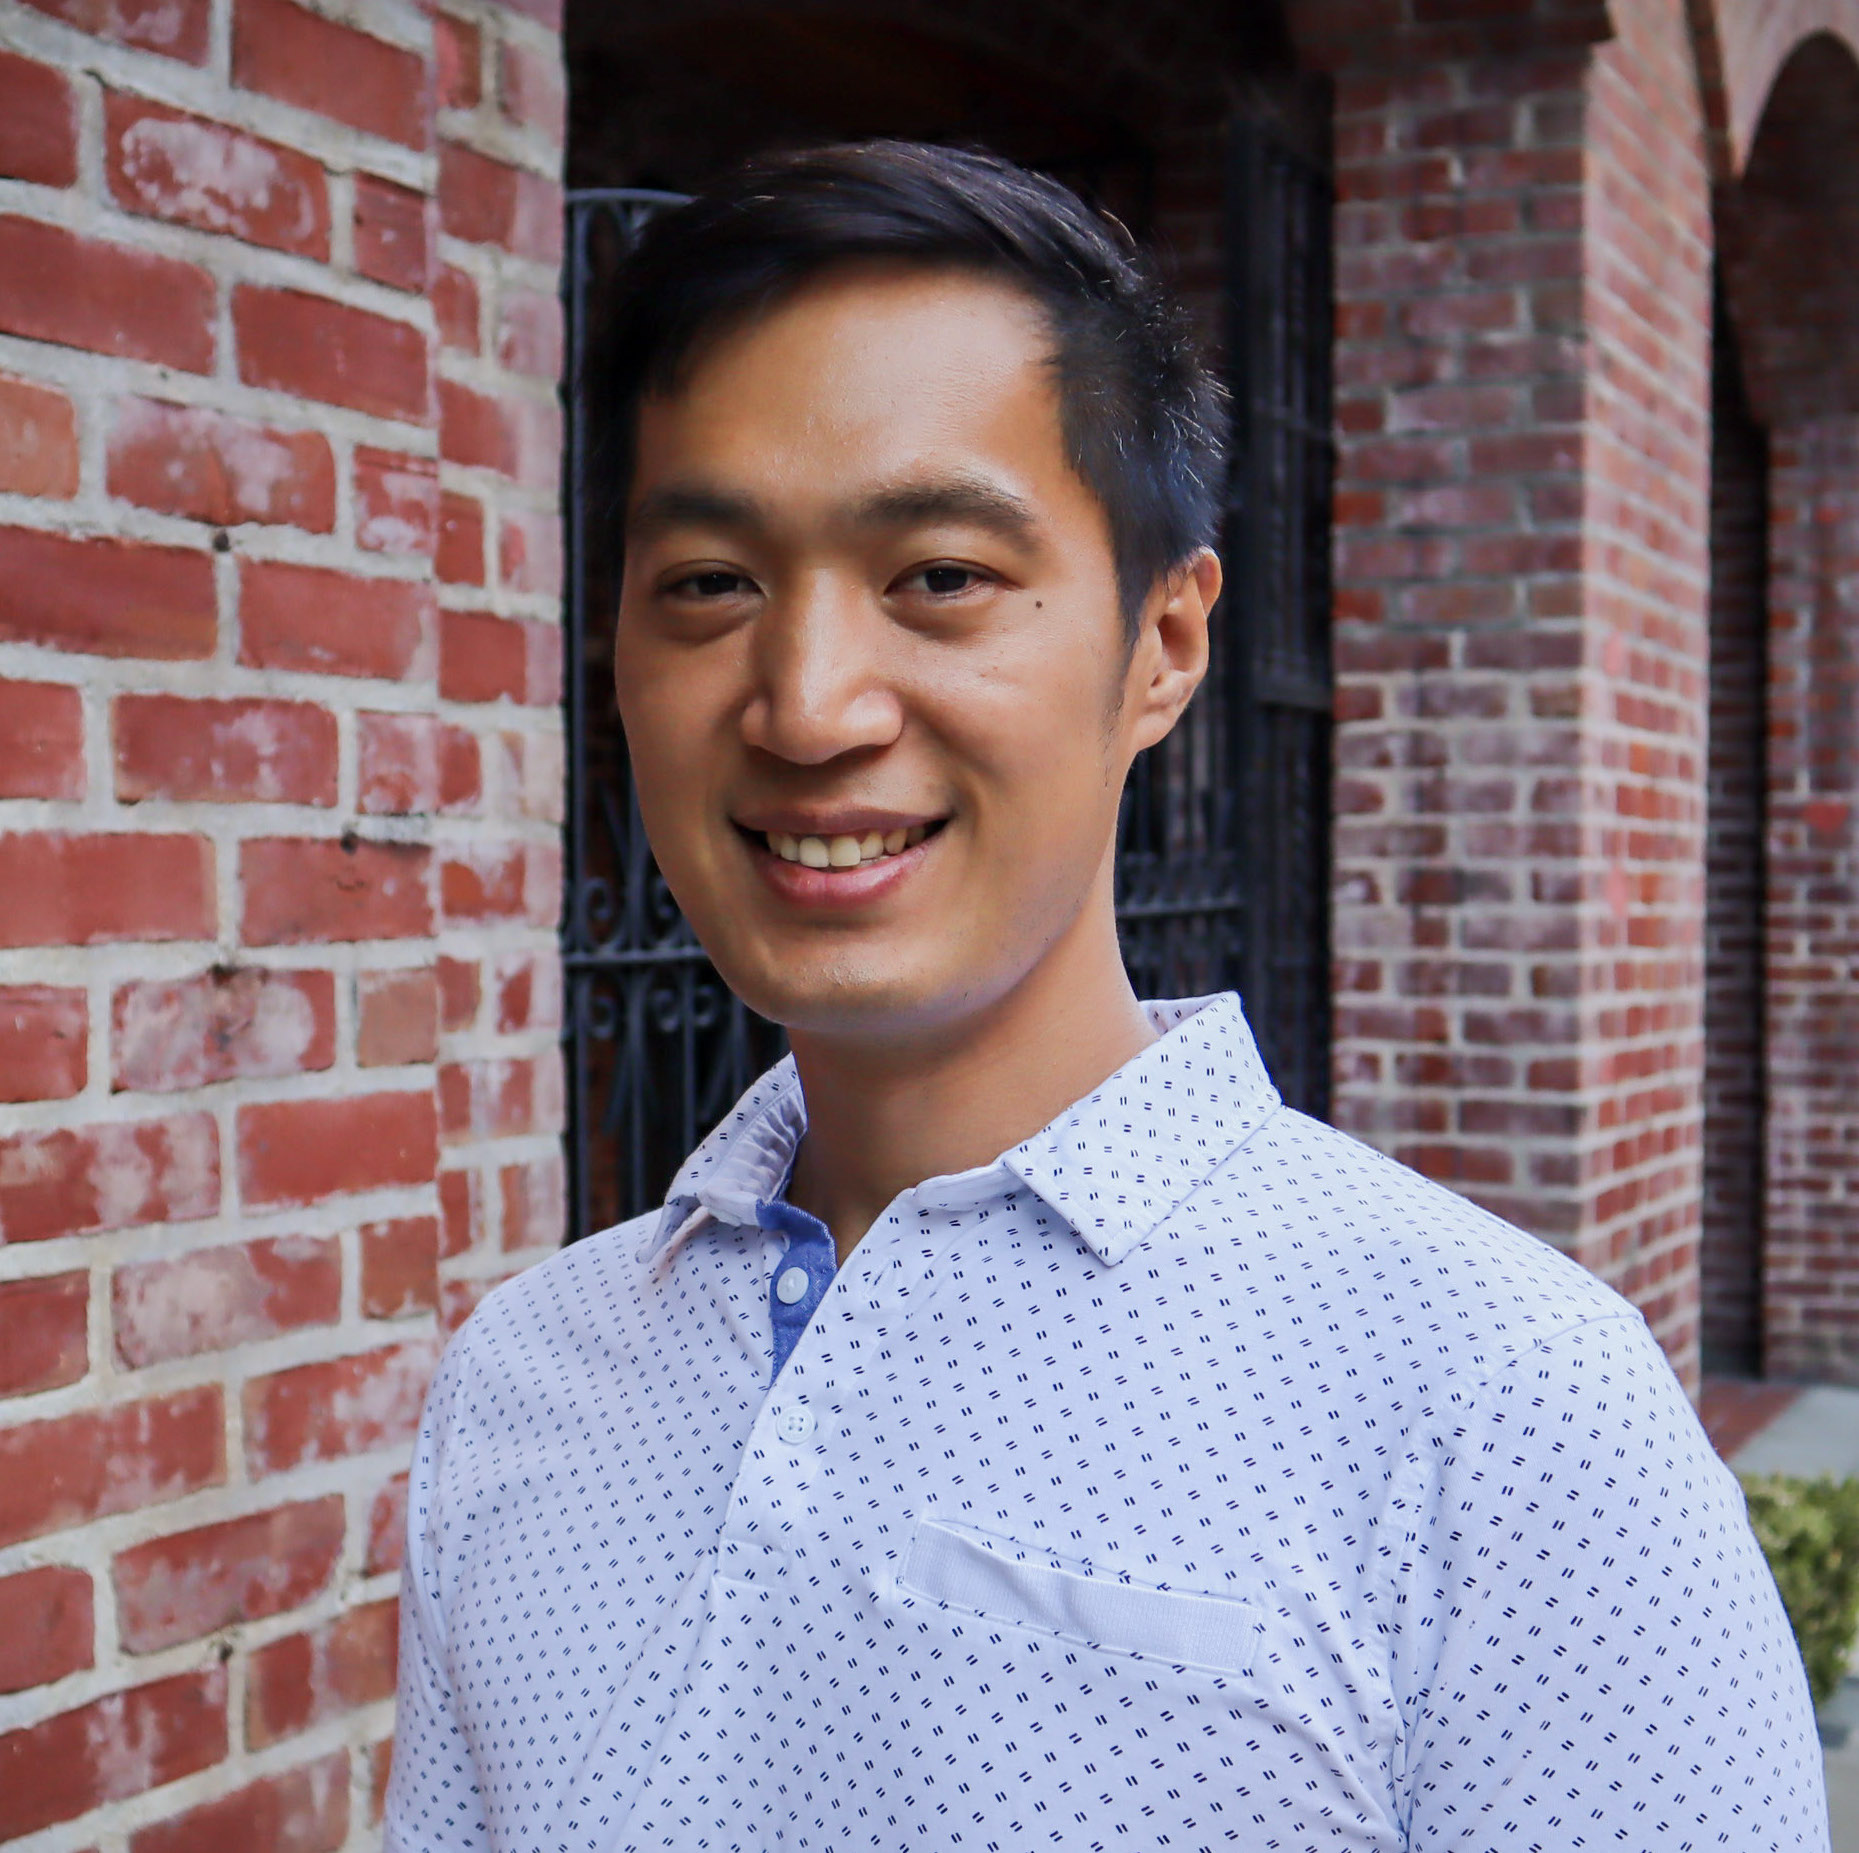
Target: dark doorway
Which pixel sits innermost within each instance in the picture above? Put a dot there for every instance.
(1730, 1260)
(1224, 850)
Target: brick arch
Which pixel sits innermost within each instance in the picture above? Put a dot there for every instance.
(1787, 226)
(1743, 46)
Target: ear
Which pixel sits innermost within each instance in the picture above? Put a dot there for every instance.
(1170, 656)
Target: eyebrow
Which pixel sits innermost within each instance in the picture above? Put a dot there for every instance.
(690, 505)
(958, 498)
(966, 499)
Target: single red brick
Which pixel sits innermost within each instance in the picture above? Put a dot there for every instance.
(303, 1151)
(41, 740)
(486, 1099)
(215, 1298)
(58, 286)
(534, 1203)
(487, 658)
(303, 890)
(105, 597)
(62, 890)
(192, 171)
(455, 309)
(288, 52)
(229, 1023)
(38, 123)
(398, 1017)
(415, 763)
(457, 61)
(60, 1767)
(532, 90)
(46, 1626)
(529, 333)
(174, 28)
(304, 1678)
(461, 1212)
(396, 502)
(387, 1527)
(184, 460)
(38, 437)
(319, 349)
(458, 993)
(492, 882)
(75, 1180)
(302, 1810)
(529, 553)
(459, 1299)
(380, 1772)
(189, 1583)
(44, 1036)
(400, 1267)
(224, 752)
(75, 1468)
(535, 779)
(484, 201)
(459, 559)
(473, 429)
(342, 1406)
(322, 622)
(393, 234)
(44, 1338)
(528, 993)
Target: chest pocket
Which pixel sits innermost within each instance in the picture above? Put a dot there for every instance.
(997, 1580)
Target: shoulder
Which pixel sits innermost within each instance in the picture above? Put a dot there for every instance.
(1400, 1267)
(541, 1313)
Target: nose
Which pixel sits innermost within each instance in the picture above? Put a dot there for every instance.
(822, 687)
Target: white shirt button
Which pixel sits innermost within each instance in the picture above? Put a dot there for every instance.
(792, 1286)
(794, 1423)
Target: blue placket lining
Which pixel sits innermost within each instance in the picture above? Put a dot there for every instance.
(809, 1250)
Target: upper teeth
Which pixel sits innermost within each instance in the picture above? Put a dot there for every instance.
(843, 852)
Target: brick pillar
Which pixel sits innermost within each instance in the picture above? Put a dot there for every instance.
(1522, 505)
(279, 787)
(1812, 1209)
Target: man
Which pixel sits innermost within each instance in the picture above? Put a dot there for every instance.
(1018, 1429)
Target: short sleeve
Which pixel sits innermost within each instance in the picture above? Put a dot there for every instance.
(1589, 1650)
(433, 1801)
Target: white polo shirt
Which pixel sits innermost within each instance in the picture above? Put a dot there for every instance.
(1190, 1477)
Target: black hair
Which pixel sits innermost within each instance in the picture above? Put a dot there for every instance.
(1139, 411)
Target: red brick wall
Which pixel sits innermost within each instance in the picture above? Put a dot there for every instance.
(1812, 1235)
(279, 788)
(1522, 405)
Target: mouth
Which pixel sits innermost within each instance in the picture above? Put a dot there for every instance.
(845, 850)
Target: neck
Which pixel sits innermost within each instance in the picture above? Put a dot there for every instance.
(882, 1116)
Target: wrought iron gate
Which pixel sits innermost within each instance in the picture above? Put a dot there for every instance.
(1223, 847)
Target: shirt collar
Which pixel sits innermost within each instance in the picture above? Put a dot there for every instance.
(1112, 1166)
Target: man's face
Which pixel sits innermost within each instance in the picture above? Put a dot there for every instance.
(870, 659)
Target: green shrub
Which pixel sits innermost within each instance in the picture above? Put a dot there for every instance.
(1809, 1531)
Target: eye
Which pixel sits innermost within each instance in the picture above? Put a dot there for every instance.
(945, 579)
(714, 582)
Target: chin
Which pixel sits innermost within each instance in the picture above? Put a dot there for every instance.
(866, 997)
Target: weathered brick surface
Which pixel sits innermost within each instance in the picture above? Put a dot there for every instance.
(120, 1745)
(44, 1036)
(44, 1333)
(231, 789)
(46, 1626)
(1811, 1211)
(189, 1583)
(1523, 320)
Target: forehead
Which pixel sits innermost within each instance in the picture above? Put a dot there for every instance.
(862, 371)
